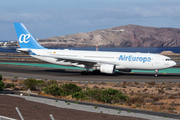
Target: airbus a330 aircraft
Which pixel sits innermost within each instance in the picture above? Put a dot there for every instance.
(105, 62)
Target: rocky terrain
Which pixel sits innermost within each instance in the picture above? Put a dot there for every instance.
(121, 36)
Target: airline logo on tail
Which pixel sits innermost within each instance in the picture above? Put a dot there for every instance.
(24, 38)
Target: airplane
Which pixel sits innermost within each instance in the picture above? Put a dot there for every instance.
(104, 62)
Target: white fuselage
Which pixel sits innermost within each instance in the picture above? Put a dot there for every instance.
(122, 60)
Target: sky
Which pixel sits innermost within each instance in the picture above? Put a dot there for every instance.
(49, 18)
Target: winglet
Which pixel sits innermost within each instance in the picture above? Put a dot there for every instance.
(25, 39)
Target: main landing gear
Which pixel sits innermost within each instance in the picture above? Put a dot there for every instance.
(156, 72)
(94, 72)
(87, 72)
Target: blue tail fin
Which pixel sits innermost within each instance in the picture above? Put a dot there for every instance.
(25, 39)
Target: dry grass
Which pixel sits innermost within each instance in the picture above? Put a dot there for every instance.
(154, 96)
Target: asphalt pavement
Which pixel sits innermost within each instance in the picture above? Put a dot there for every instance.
(75, 75)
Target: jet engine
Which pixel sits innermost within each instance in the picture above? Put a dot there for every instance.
(107, 68)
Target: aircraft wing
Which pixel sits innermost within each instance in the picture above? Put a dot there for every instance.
(79, 60)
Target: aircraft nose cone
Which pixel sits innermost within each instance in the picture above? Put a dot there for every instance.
(174, 63)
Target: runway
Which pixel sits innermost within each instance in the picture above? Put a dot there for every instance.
(46, 72)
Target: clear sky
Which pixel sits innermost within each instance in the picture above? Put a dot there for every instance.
(48, 18)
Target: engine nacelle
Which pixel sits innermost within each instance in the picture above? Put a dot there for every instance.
(106, 68)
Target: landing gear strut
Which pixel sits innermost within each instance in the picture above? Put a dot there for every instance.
(87, 72)
(156, 73)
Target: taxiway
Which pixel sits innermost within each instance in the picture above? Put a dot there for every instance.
(75, 75)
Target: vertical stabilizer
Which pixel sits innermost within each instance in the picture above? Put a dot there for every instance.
(25, 39)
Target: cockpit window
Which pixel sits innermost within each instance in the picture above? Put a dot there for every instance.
(168, 60)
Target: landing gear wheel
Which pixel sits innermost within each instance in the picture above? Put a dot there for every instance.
(156, 73)
(96, 72)
(86, 73)
(83, 73)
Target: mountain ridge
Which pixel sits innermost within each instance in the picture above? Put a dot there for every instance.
(120, 36)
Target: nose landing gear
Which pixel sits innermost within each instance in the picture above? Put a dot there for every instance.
(156, 73)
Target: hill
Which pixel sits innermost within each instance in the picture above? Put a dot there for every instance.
(121, 36)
